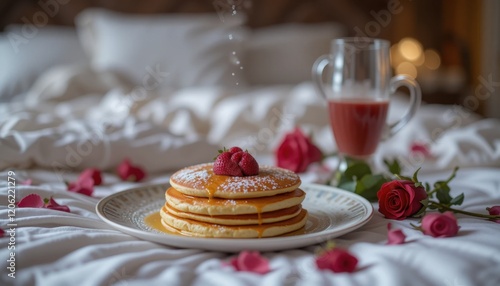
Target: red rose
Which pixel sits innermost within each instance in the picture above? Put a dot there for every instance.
(337, 260)
(400, 199)
(440, 224)
(296, 152)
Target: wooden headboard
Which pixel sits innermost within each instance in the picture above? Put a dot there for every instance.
(260, 12)
(429, 21)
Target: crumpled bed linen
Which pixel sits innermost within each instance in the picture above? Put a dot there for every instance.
(65, 125)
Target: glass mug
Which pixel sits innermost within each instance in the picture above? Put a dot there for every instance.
(358, 89)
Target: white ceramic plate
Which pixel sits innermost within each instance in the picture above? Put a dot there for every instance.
(332, 212)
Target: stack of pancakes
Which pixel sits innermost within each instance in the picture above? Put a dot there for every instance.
(201, 203)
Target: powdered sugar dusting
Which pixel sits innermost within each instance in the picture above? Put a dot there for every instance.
(269, 178)
(196, 176)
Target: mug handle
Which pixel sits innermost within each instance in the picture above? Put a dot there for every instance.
(415, 99)
(317, 73)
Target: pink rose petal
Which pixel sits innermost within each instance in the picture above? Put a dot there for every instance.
(2, 233)
(27, 182)
(395, 236)
(31, 201)
(35, 201)
(128, 172)
(83, 186)
(337, 260)
(53, 205)
(93, 173)
(421, 148)
(251, 261)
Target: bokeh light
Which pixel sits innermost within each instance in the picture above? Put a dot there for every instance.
(410, 49)
(432, 59)
(407, 68)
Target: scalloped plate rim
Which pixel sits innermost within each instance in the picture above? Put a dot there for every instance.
(238, 244)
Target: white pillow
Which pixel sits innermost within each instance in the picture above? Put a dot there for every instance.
(284, 54)
(194, 49)
(25, 54)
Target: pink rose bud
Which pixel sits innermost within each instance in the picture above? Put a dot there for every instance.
(251, 261)
(495, 210)
(337, 260)
(440, 224)
(395, 236)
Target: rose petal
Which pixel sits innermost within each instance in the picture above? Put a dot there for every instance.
(127, 172)
(251, 261)
(27, 182)
(53, 205)
(93, 173)
(31, 201)
(420, 148)
(395, 236)
(2, 233)
(337, 260)
(83, 186)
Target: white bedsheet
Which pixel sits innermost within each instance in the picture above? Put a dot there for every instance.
(67, 124)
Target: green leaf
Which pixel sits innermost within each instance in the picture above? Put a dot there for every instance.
(427, 186)
(443, 195)
(358, 170)
(403, 178)
(432, 207)
(394, 166)
(369, 185)
(425, 205)
(347, 179)
(348, 186)
(415, 227)
(458, 200)
(415, 178)
(453, 174)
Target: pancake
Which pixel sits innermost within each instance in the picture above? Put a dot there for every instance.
(217, 206)
(200, 181)
(190, 227)
(244, 219)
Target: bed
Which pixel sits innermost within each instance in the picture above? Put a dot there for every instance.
(169, 98)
